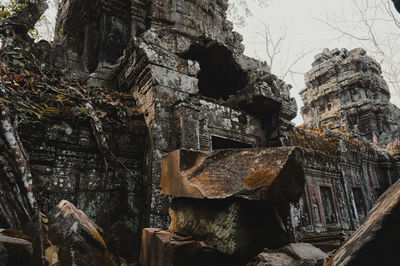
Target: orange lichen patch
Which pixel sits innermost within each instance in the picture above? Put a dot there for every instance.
(314, 140)
(329, 143)
(261, 179)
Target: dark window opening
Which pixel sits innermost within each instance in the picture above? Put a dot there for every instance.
(220, 76)
(360, 204)
(223, 143)
(327, 203)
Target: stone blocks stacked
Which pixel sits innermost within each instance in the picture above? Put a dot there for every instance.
(234, 200)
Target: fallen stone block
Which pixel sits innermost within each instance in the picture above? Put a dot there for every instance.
(163, 248)
(295, 254)
(79, 239)
(232, 226)
(376, 241)
(15, 251)
(272, 174)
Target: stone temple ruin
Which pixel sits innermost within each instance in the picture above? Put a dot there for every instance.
(347, 98)
(346, 91)
(205, 148)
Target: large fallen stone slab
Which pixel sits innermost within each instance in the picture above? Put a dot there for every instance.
(163, 248)
(273, 174)
(295, 254)
(376, 242)
(78, 238)
(232, 226)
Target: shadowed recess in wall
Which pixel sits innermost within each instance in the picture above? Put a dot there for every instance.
(220, 75)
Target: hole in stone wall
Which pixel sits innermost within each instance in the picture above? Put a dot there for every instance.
(219, 143)
(220, 75)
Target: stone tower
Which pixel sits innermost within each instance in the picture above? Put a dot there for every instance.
(346, 92)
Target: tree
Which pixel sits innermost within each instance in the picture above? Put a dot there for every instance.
(375, 26)
(239, 10)
(276, 54)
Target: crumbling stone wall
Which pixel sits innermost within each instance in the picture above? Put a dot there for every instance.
(197, 90)
(344, 178)
(66, 165)
(178, 65)
(93, 34)
(348, 120)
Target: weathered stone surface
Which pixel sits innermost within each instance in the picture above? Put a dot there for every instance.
(233, 226)
(161, 248)
(346, 92)
(273, 174)
(185, 76)
(295, 254)
(66, 165)
(181, 81)
(349, 121)
(344, 177)
(79, 239)
(375, 242)
(15, 251)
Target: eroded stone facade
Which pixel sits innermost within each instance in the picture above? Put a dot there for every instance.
(348, 122)
(346, 91)
(191, 85)
(66, 165)
(344, 178)
(201, 93)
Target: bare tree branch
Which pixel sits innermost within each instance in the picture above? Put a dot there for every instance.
(376, 32)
